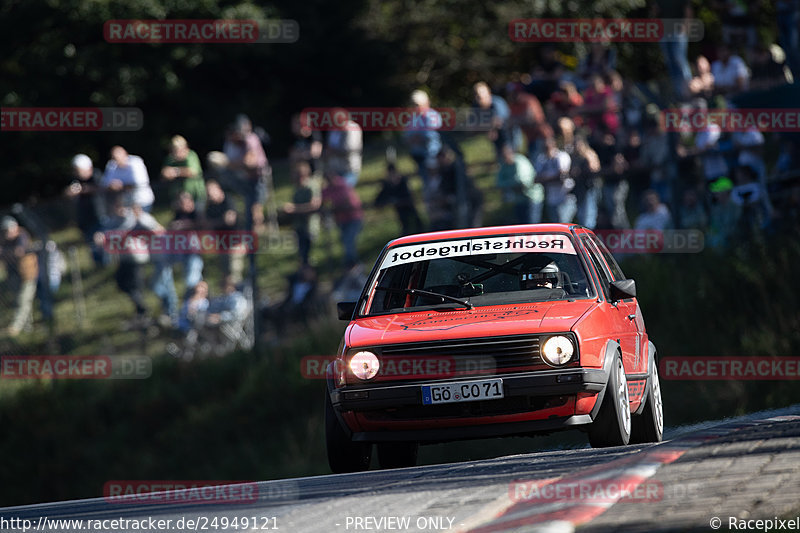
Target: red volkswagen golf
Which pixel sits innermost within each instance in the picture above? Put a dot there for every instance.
(489, 332)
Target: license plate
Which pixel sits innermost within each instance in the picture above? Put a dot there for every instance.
(462, 391)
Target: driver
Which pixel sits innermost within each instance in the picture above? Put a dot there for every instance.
(547, 277)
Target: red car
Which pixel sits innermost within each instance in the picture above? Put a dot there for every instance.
(487, 332)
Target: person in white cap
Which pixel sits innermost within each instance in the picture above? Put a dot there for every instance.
(90, 207)
(422, 135)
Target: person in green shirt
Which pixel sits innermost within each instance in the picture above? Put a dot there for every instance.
(182, 168)
(522, 196)
(304, 207)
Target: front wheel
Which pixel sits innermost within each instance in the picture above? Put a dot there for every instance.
(612, 427)
(344, 455)
(397, 454)
(649, 426)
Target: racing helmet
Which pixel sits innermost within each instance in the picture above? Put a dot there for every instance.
(546, 277)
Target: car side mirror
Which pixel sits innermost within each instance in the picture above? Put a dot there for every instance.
(345, 310)
(622, 289)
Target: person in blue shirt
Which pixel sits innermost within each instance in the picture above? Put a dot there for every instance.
(493, 116)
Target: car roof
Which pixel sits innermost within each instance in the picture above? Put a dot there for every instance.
(519, 229)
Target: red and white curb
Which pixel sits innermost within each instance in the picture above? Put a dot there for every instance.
(557, 515)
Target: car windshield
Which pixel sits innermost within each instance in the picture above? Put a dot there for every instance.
(478, 272)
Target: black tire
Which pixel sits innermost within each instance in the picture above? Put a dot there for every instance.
(649, 425)
(397, 454)
(612, 426)
(344, 455)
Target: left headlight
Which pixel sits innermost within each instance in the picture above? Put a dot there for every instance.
(557, 350)
(364, 365)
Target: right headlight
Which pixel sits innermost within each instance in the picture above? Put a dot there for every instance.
(558, 350)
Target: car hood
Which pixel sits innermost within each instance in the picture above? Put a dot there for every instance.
(540, 317)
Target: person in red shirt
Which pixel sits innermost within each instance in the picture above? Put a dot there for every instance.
(600, 107)
(527, 115)
(348, 214)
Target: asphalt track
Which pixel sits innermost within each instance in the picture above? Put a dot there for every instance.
(736, 470)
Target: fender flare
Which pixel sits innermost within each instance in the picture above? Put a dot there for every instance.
(652, 365)
(609, 355)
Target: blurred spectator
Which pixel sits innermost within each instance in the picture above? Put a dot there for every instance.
(724, 214)
(738, 21)
(22, 271)
(130, 274)
(692, 214)
(188, 219)
(702, 85)
(230, 306)
(585, 170)
(547, 73)
(522, 196)
(615, 192)
(600, 60)
(751, 197)
(126, 174)
(730, 73)
(566, 101)
(675, 47)
(552, 170)
(307, 145)
(250, 167)
(182, 168)
(749, 145)
(343, 148)
(348, 288)
(600, 107)
(631, 102)
(706, 146)
(498, 115)
(90, 207)
(528, 117)
(460, 202)
(345, 205)
(656, 215)
(306, 201)
(300, 301)
(194, 310)
(221, 216)
(788, 16)
(422, 137)
(395, 192)
(656, 160)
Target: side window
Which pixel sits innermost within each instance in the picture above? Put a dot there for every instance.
(599, 265)
(610, 261)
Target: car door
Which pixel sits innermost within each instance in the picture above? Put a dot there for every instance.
(624, 312)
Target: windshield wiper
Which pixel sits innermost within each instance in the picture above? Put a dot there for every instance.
(430, 294)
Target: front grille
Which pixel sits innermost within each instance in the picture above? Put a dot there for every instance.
(512, 353)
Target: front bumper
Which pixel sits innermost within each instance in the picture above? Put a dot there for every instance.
(530, 387)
